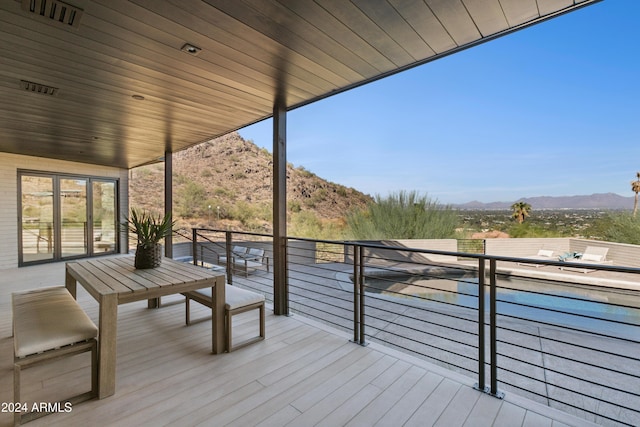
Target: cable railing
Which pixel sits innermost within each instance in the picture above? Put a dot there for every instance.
(215, 249)
(564, 339)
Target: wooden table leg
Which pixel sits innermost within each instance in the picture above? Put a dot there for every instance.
(107, 346)
(217, 317)
(70, 283)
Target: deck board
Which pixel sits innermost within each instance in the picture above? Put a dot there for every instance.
(412, 400)
(302, 374)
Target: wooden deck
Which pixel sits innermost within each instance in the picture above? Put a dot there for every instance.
(303, 374)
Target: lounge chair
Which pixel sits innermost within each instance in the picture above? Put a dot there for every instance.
(244, 258)
(591, 255)
(542, 255)
(236, 252)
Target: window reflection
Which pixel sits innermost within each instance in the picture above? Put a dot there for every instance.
(66, 217)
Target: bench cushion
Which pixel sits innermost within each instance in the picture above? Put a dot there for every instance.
(48, 318)
(235, 297)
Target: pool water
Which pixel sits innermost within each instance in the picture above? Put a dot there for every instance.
(612, 312)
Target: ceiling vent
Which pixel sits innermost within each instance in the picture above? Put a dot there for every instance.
(55, 11)
(38, 88)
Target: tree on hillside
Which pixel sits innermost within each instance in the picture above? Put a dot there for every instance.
(403, 215)
(520, 211)
(635, 187)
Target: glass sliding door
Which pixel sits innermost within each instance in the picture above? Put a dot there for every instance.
(65, 217)
(73, 217)
(104, 216)
(37, 235)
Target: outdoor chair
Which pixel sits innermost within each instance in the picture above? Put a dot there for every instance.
(245, 258)
(591, 255)
(236, 252)
(542, 255)
(237, 300)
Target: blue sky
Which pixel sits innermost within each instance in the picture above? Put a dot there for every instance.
(552, 110)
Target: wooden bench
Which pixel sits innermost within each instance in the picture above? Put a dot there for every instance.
(48, 324)
(237, 300)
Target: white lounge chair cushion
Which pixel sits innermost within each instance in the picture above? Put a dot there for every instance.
(545, 253)
(48, 318)
(254, 254)
(235, 297)
(239, 250)
(238, 254)
(591, 257)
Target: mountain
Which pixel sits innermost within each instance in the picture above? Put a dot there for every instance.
(610, 201)
(227, 183)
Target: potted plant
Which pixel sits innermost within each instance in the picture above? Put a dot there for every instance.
(149, 229)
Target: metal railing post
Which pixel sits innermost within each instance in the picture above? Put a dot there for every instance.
(227, 238)
(194, 245)
(481, 329)
(493, 340)
(356, 292)
(285, 286)
(361, 292)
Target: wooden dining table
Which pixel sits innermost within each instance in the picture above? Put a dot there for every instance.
(114, 280)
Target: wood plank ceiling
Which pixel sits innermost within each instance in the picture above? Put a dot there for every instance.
(251, 52)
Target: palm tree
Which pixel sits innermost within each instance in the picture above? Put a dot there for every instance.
(635, 187)
(520, 211)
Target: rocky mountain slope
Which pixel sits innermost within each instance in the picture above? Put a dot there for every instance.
(227, 183)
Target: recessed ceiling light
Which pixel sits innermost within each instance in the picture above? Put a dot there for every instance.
(138, 97)
(190, 49)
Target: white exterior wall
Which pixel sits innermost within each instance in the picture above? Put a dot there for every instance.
(526, 247)
(619, 253)
(446, 245)
(9, 166)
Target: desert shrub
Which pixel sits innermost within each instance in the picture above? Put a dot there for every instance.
(620, 227)
(307, 224)
(191, 200)
(264, 211)
(294, 206)
(250, 215)
(530, 230)
(403, 215)
(223, 192)
(241, 211)
(180, 179)
(142, 172)
(305, 173)
(319, 196)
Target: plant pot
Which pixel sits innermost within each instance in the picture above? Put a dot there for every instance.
(148, 257)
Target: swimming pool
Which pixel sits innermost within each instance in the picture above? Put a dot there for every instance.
(612, 312)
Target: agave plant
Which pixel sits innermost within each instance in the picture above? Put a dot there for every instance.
(149, 228)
